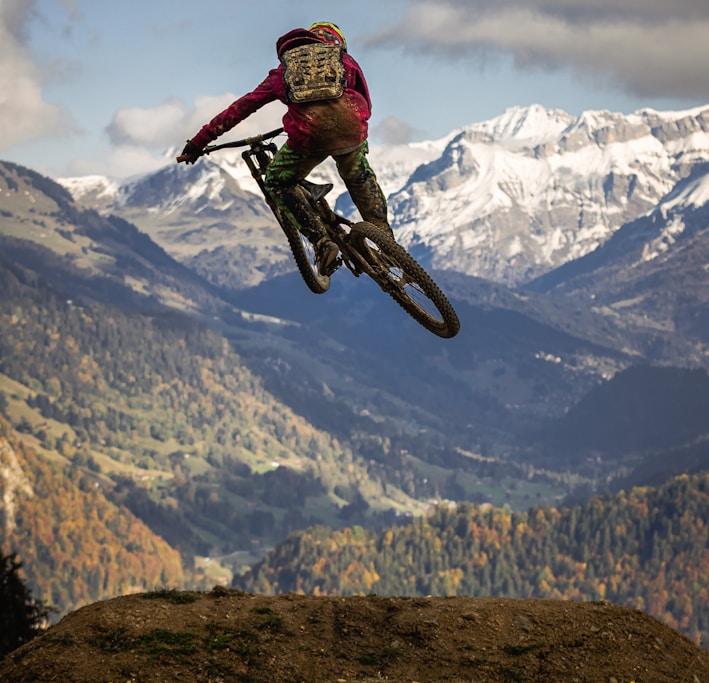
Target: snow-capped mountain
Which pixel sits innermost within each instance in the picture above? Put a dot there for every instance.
(512, 198)
(207, 216)
(507, 199)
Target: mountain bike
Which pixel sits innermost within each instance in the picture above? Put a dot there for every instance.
(364, 247)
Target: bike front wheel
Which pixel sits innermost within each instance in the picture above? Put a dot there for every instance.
(304, 255)
(398, 274)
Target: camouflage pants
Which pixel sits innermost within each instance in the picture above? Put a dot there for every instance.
(289, 167)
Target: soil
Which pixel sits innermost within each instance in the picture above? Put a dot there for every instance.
(224, 636)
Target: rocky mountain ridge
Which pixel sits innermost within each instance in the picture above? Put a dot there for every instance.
(508, 199)
(514, 198)
(652, 269)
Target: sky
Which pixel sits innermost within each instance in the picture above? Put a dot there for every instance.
(105, 87)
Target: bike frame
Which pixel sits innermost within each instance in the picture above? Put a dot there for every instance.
(257, 157)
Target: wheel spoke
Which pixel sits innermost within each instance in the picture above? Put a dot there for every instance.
(407, 285)
(400, 276)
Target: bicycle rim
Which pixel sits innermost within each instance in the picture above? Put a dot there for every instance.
(398, 274)
(304, 255)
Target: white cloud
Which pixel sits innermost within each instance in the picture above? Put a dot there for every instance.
(117, 162)
(140, 136)
(152, 127)
(646, 47)
(169, 122)
(392, 131)
(24, 113)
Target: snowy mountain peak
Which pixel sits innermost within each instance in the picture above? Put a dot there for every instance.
(523, 125)
(91, 188)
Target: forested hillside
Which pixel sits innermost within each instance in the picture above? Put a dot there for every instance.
(647, 548)
(75, 546)
(161, 412)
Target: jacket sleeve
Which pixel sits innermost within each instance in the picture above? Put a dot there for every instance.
(269, 90)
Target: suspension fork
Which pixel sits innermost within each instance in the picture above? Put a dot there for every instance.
(258, 171)
(259, 151)
(263, 153)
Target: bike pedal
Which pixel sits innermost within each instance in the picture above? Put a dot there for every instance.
(336, 264)
(332, 267)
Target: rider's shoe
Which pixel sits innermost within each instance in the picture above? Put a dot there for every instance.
(326, 252)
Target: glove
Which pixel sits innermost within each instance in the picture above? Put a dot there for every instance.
(190, 153)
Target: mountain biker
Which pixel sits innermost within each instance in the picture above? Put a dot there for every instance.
(328, 110)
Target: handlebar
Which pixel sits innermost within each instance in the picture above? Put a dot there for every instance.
(246, 142)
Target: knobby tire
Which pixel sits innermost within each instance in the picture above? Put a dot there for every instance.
(398, 274)
(304, 255)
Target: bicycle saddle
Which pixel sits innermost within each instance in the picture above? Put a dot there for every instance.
(317, 191)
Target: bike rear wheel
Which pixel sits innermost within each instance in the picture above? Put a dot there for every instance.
(398, 274)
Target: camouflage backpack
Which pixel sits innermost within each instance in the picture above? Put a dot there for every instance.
(313, 72)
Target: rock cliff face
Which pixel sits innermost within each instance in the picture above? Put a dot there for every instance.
(13, 481)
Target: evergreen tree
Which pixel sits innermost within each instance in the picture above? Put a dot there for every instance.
(21, 616)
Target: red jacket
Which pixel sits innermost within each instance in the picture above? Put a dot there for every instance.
(323, 127)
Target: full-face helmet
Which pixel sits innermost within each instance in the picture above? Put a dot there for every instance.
(329, 33)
